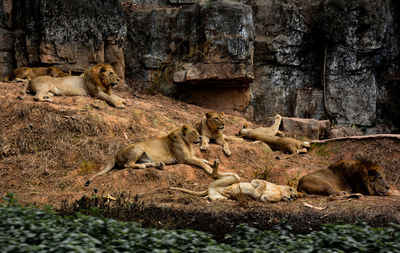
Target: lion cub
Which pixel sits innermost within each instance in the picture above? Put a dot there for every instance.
(174, 148)
(228, 186)
(210, 128)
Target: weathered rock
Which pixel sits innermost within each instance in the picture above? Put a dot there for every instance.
(310, 128)
(308, 103)
(362, 39)
(6, 52)
(226, 99)
(283, 31)
(6, 13)
(274, 88)
(343, 131)
(169, 46)
(70, 34)
(149, 36)
(6, 60)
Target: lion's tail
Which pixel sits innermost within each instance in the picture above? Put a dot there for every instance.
(109, 167)
(201, 194)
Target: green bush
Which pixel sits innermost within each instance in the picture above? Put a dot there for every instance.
(24, 229)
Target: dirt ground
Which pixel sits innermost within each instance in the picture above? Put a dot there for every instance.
(48, 151)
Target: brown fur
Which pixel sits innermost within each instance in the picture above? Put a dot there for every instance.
(30, 73)
(95, 81)
(345, 177)
(284, 144)
(174, 148)
(210, 128)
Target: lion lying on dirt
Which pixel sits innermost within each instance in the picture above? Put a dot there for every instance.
(228, 186)
(210, 128)
(345, 177)
(174, 148)
(95, 81)
(271, 131)
(284, 144)
(19, 74)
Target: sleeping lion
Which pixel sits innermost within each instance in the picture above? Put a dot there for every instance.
(228, 186)
(28, 73)
(346, 177)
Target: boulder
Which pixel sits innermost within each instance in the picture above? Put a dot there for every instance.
(309, 128)
(344, 131)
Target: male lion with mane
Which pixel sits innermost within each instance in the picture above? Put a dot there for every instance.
(96, 81)
(210, 127)
(345, 177)
(174, 148)
(228, 186)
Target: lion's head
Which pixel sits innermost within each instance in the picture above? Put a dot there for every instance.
(375, 181)
(103, 75)
(190, 135)
(288, 193)
(215, 120)
(363, 176)
(108, 76)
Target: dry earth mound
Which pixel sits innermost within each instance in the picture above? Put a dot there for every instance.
(48, 151)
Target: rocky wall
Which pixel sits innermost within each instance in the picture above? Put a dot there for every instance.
(199, 53)
(357, 40)
(69, 34)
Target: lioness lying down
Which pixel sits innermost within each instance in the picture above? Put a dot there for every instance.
(210, 128)
(284, 144)
(95, 81)
(174, 148)
(228, 186)
(271, 131)
(345, 177)
(28, 73)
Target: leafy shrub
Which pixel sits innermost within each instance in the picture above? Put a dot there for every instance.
(24, 229)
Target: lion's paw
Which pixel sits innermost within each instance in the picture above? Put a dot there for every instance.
(160, 166)
(227, 152)
(120, 106)
(204, 147)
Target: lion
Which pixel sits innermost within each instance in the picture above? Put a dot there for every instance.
(345, 177)
(19, 74)
(210, 127)
(271, 131)
(284, 144)
(174, 148)
(228, 186)
(96, 81)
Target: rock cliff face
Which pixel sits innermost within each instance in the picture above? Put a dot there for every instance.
(67, 34)
(193, 50)
(321, 59)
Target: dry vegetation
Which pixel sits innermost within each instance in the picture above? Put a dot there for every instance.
(47, 152)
